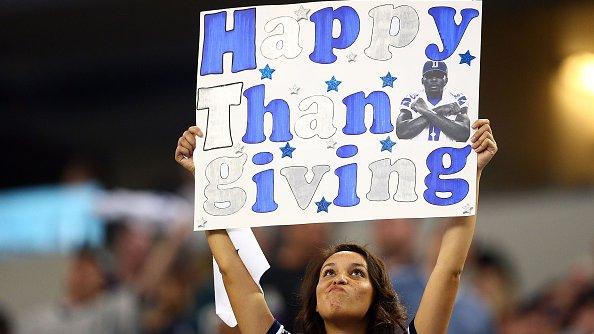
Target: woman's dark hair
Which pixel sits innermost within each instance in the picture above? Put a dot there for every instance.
(385, 315)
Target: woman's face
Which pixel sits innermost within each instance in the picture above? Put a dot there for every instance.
(344, 290)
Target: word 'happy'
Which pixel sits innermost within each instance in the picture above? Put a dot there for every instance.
(241, 40)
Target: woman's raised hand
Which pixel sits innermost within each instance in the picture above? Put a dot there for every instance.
(185, 148)
(483, 143)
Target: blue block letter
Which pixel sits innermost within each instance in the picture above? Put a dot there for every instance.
(324, 20)
(347, 178)
(458, 188)
(264, 192)
(241, 41)
(355, 113)
(347, 186)
(279, 109)
(449, 32)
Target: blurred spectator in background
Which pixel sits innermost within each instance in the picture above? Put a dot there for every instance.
(281, 283)
(395, 239)
(80, 169)
(494, 280)
(172, 308)
(87, 306)
(563, 306)
(129, 245)
(531, 318)
(105, 290)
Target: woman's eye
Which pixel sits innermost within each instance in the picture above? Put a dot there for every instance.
(358, 272)
(327, 272)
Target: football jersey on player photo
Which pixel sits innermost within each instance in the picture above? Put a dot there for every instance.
(432, 133)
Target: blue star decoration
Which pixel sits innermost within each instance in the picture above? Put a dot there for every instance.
(266, 72)
(388, 80)
(466, 58)
(287, 150)
(323, 205)
(387, 144)
(333, 84)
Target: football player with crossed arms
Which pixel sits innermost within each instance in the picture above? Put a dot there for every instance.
(434, 114)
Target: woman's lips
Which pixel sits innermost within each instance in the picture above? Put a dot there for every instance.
(336, 288)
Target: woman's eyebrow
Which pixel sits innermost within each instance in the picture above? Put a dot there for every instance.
(329, 264)
(357, 264)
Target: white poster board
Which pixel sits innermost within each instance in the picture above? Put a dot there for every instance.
(336, 111)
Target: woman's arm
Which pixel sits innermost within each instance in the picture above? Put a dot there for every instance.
(247, 301)
(439, 296)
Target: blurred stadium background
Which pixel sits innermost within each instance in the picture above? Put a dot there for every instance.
(94, 94)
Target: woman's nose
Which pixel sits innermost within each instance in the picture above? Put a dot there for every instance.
(340, 279)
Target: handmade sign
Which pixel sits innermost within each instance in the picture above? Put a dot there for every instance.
(336, 111)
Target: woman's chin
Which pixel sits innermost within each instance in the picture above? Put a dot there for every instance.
(339, 310)
(343, 316)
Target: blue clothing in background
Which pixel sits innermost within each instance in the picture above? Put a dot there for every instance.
(471, 315)
(53, 218)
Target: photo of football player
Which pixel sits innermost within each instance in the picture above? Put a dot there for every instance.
(434, 114)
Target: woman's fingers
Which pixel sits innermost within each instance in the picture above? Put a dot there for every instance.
(483, 143)
(480, 122)
(190, 138)
(184, 151)
(488, 145)
(181, 156)
(183, 142)
(185, 147)
(484, 135)
(482, 146)
(196, 131)
(479, 132)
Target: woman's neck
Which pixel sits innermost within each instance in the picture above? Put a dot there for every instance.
(345, 327)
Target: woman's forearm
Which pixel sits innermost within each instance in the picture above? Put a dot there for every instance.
(223, 250)
(247, 300)
(439, 296)
(437, 303)
(456, 240)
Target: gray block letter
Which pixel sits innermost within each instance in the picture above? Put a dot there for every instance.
(381, 171)
(218, 101)
(381, 37)
(219, 172)
(303, 190)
